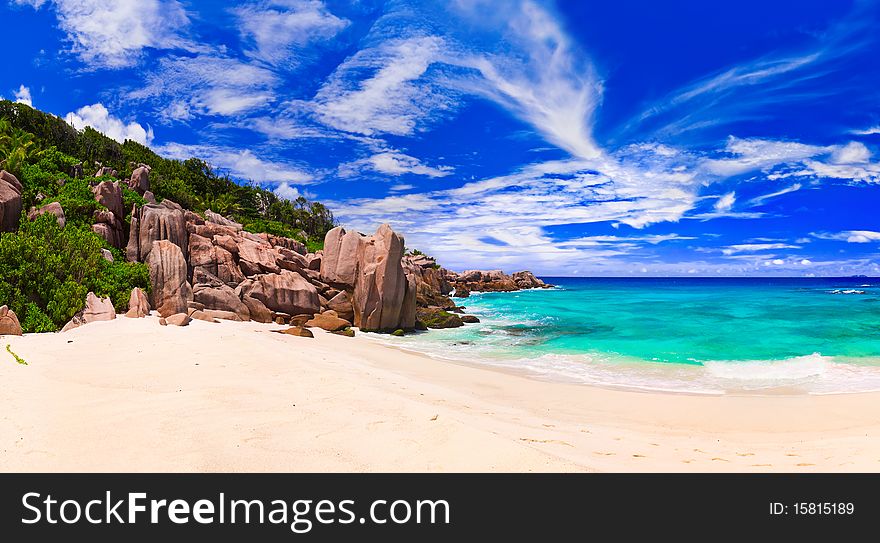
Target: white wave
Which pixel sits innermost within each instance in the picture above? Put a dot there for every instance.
(847, 291)
(770, 372)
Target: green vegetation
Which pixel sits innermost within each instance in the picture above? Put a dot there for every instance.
(46, 270)
(17, 358)
(29, 137)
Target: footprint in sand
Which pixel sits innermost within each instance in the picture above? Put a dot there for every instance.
(638, 456)
(720, 459)
(803, 464)
(604, 453)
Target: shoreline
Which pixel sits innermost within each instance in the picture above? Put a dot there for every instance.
(130, 395)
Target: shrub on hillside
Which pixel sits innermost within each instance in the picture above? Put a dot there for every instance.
(46, 272)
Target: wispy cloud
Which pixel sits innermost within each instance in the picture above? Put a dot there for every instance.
(241, 163)
(850, 236)
(867, 131)
(545, 81)
(760, 200)
(383, 89)
(278, 30)
(395, 163)
(185, 87)
(756, 247)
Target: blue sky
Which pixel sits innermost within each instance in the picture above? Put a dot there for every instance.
(570, 138)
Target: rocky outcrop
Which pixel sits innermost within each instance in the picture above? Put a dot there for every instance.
(285, 292)
(96, 309)
(221, 297)
(54, 208)
(10, 201)
(526, 279)
(221, 220)
(493, 281)
(9, 325)
(328, 321)
(341, 304)
(170, 290)
(257, 309)
(106, 171)
(140, 179)
(298, 331)
(109, 227)
(432, 317)
(154, 222)
(380, 289)
(177, 319)
(339, 263)
(109, 195)
(138, 304)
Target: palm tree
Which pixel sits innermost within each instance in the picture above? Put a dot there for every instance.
(17, 148)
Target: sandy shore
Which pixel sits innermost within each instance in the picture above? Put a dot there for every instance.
(130, 395)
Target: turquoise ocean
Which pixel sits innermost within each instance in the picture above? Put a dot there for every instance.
(693, 335)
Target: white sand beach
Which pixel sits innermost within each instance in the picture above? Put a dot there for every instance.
(130, 395)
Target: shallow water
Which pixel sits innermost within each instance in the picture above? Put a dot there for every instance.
(701, 335)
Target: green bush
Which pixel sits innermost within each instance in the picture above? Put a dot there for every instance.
(36, 320)
(78, 201)
(46, 272)
(118, 278)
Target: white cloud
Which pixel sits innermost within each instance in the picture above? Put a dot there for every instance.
(289, 192)
(755, 247)
(381, 90)
(850, 236)
(867, 131)
(277, 29)
(241, 163)
(23, 96)
(757, 154)
(98, 117)
(390, 162)
(114, 34)
(186, 87)
(546, 81)
(759, 200)
(852, 153)
(725, 202)
(635, 190)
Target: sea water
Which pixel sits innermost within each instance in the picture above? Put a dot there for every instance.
(697, 335)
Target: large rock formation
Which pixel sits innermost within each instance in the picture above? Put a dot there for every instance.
(170, 290)
(9, 325)
(221, 297)
(10, 201)
(340, 260)
(109, 195)
(285, 292)
(370, 269)
(140, 179)
(154, 222)
(380, 288)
